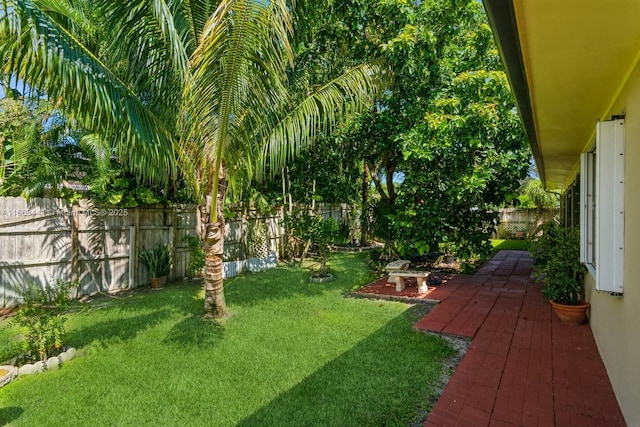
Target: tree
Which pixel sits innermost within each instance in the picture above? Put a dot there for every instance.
(202, 85)
(34, 155)
(533, 192)
(335, 168)
(465, 157)
(448, 124)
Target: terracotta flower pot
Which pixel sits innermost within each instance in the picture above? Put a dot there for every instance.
(571, 314)
(158, 282)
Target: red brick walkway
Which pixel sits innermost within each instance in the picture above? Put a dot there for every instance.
(523, 367)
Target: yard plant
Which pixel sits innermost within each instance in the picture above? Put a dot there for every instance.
(557, 261)
(41, 316)
(203, 87)
(196, 256)
(292, 353)
(157, 260)
(306, 228)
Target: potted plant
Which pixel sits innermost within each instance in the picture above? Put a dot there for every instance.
(557, 261)
(449, 249)
(158, 263)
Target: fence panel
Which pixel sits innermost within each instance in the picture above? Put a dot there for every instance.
(35, 244)
(516, 223)
(42, 240)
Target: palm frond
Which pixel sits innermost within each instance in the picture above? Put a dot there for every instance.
(66, 12)
(238, 74)
(149, 30)
(99, 150)
(322, 112)
(197, 12)
(47, 56)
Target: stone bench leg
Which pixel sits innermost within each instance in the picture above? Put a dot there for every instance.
(399, 283)
(422, 285)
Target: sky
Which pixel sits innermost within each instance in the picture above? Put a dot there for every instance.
(15, 84)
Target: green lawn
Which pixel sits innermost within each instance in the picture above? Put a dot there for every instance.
(513, 245)
(291, 354)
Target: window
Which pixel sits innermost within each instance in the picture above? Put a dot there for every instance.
(602, 207)
(588, 204)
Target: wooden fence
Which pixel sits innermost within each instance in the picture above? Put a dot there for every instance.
(516, 223)
(42, 240)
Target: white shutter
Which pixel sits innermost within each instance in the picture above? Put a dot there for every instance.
(610, 206)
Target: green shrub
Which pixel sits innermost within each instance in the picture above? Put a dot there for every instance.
(196, 256)
(344, 231)
(41, 314)
(305, 227)
(157, 261)
(323, 234)
(557, 261)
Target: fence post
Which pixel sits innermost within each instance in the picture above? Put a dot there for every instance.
(134, 248)
(132, 256)
(172, 241)
(75, 248)
(177, 243)
(281, 231)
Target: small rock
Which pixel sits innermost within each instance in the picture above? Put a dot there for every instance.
(40, 366)
(67, 355)
(71, 352)
(53, 363)
(27, 369)
(30, 369)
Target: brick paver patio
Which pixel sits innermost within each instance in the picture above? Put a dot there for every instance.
(523, 367)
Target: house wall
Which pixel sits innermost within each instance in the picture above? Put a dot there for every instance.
(615, 320)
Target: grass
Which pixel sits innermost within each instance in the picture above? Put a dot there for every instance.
(513, 245)
(292, 353)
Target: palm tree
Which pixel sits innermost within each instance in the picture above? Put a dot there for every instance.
(539, 196)
(196, 84)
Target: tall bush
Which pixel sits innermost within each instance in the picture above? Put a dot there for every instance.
(307, 228)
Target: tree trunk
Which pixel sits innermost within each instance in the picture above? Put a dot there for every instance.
(391, 189)
(215, 306)
(364, 219)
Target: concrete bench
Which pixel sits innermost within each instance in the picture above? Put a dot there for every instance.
(398, 277)
(400, 264)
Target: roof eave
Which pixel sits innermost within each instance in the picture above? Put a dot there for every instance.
(502, 19)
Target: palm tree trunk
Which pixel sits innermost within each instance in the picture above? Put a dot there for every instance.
(215, 306)
(214, 303)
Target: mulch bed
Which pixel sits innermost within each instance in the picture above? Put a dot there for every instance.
(381, 288)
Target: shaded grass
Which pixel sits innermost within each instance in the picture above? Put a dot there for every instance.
(292, 353)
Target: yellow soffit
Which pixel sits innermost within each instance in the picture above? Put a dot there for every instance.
(578, 56)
